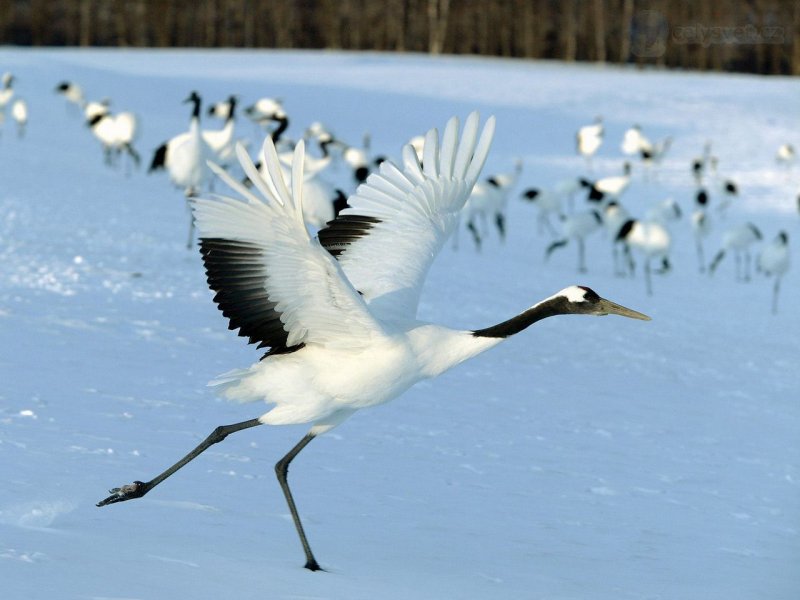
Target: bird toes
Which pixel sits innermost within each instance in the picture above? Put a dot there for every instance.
(137, 489)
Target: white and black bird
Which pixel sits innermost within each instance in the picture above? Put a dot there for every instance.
(116, 133)
(589, 139)
(773, 261)
(608, 188)
(548, 203)
(729, 191)
(633, 140)
(738, 240)
(19, 112)
(266, 112)
(73, 94)
(653, 154)
(578, 227)
(652, 240)
(186, 158)
(339, 312)
(488, 202)
(701, 225)
(222, 109)
(221, 141)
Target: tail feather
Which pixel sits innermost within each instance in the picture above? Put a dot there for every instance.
(159, 159)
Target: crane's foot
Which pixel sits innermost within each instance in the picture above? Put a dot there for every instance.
(313, 565)
(137, 489)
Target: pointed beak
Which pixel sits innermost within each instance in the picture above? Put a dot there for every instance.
(612, 308)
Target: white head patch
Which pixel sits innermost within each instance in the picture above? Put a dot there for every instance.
(573, 293)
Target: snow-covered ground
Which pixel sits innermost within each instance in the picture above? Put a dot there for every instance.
(585, 458)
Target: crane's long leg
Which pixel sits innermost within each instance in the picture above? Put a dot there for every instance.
(282, 470)
(137, 489)
(775, 291)
(700, 258)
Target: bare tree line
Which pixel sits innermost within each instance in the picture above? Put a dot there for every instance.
(759, 36)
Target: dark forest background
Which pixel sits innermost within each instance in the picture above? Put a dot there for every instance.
(758, 36)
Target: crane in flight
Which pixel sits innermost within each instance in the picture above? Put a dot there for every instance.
(338, 311)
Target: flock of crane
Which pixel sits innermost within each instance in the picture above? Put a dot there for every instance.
(327, 186)
(649, 236)
(186, 155)
(338, 310)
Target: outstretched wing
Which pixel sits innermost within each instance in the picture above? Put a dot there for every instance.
(398, 220)
(275, 283)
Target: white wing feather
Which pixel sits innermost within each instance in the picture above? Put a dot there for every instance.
(406, 216)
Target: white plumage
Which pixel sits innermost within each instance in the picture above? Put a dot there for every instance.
(488, 201)
(549, 203)
(652, 240)
(186, 155)
(738, 239)
(115, 132)
(633, 141)
(589, 138)
(72, 92)
(221, 141)
(19, 112)
(578, 227)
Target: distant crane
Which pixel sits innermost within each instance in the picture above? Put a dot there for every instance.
(701, 225)
(589, 139)
(185, 156)
(577, 226)
(773, 261)
(338, 312)
(739, 239)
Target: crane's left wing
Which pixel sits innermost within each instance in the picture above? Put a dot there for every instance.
(399, 219)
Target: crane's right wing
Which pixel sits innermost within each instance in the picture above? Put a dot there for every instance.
(398, 220)
(272, 280)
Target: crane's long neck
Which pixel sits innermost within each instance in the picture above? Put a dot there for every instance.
(283, 125)
(441, 349)
(196, 109)
(555, 305)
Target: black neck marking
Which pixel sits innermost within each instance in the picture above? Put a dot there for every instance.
(283, 125)
(195, 100)
(558, 305)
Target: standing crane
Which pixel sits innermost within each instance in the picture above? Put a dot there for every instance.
(338, 312)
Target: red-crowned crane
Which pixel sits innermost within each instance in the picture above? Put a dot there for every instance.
(338, 312)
